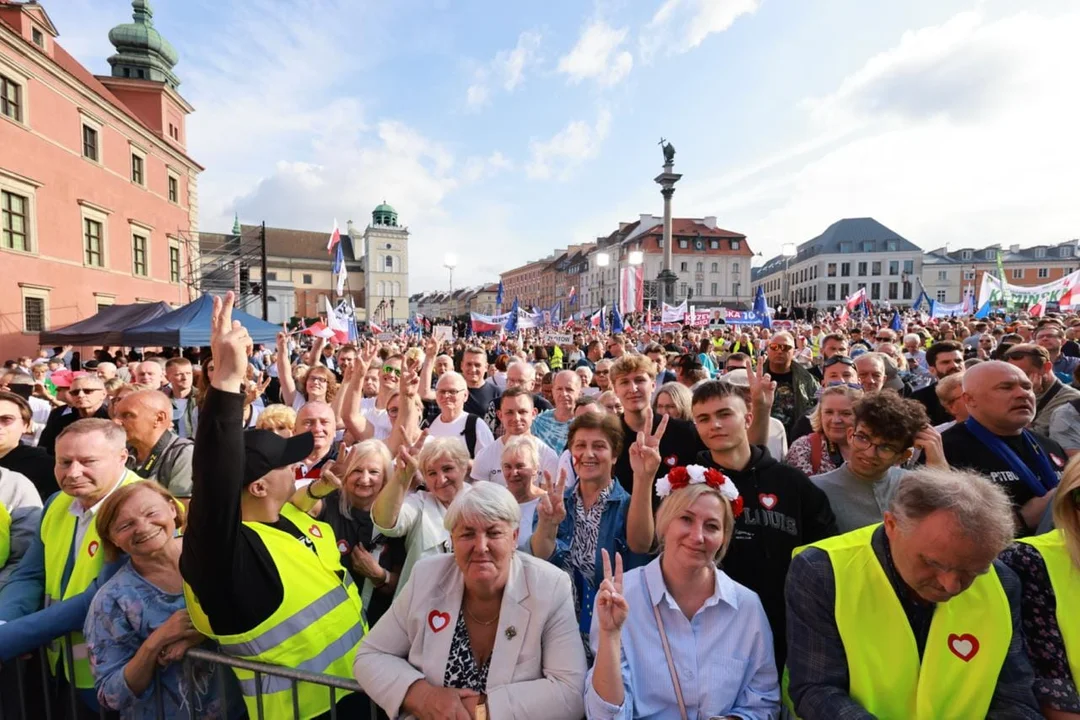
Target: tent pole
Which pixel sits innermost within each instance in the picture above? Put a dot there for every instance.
(262, 270)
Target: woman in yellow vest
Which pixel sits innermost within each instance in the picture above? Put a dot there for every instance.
(261, 577)
(914, 618)
(64, 563)
(1049, 569)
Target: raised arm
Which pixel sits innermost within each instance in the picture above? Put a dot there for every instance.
(406, 429)
(384, 513)
(431, 351)
(349, 409)
(644, 461)
(285, 378)
(550, 512)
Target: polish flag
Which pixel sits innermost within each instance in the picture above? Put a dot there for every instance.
(856, 298)
(335, 238)
(1037, 310)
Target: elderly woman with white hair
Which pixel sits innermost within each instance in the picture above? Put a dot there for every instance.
(487, 627)
(443, 463)
(520, 463)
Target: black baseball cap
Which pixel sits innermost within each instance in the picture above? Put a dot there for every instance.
(265, 451)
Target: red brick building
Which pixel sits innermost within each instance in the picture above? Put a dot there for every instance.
(98, 195)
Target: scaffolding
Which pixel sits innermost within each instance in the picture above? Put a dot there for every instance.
(219, 267)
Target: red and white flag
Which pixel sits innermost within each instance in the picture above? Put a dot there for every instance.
(335, 238)
(632, 294)
(856, 298)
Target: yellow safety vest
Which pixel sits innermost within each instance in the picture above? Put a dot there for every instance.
(5, 535)
(969, 639)
(317, 628)
(557, 358)
(1065, 580)
(815, 345)
(57, 534)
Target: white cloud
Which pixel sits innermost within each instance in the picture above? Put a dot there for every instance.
(682, 25)
(597, 55)
(507, 69)
(961, 133)
(568, 148)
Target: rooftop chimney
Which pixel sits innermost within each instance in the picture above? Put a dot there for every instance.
(709, 222)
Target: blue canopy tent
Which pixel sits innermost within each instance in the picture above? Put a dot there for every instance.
(189, 326)
(106, 327)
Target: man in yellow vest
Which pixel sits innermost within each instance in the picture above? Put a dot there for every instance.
(64, 563)
(261, 577)
(915, 617)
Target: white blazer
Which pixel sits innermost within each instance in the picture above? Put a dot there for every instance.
(537, 669)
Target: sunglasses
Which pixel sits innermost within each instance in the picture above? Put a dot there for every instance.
(781, 348)
(842, 359)
(83, 391)
(391, 370)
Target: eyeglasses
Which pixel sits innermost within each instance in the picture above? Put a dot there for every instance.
(84, 391)
(391, 370)
(862, 442)
(317, 379)
(602, 372)
(450, 392)
(842, 359)
(884, 339)
(837, 383)
(781, 348)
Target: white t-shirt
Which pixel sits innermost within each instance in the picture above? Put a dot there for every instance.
(488, 463)
(438, 428)
(379, 419)
(525, 530)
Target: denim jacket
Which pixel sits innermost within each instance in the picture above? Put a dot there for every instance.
(612, 538)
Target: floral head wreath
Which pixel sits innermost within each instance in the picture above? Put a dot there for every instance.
(680, 477)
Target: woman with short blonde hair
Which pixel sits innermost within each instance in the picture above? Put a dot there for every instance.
(277, 418)
(443, 464)
(137, 628)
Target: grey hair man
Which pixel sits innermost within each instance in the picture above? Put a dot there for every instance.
(938, 544)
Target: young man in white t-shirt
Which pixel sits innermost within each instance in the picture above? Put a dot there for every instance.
(516, 414)
(450, 394)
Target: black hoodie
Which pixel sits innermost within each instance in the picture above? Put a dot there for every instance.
(782, 510)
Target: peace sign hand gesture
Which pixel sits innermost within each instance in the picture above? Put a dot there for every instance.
(406, 465)
(645, 452)
(611, 607)
(762, 389)
(551, 509)
(230, 344)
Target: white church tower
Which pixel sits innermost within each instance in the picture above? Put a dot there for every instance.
(386, 268)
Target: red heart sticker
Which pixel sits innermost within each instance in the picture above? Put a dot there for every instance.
(438, 620)
(671, 460)
(768, 501)
(315, 531)
(92, 548)
(342, 546)
(964, 646)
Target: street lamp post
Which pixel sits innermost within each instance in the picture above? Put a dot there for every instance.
(391, 312)
(450, 262)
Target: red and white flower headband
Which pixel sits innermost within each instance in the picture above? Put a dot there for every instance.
(681, 477)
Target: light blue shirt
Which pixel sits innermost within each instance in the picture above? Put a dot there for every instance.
(723, 656)
(551, 431)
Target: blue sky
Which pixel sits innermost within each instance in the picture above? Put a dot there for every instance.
(503, 130)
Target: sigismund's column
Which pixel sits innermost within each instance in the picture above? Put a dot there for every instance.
(666, 180)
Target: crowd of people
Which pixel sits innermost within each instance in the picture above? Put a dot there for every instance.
(828, 520)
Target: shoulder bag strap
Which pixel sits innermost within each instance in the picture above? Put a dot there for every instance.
(667, 654)
(815, 452)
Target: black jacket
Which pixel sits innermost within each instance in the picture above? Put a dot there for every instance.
(782, 510)
(59, 419)
(928, 397)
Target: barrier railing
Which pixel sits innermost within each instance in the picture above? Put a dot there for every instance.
(48, 702)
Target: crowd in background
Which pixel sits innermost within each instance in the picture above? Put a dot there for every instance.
(825, 519)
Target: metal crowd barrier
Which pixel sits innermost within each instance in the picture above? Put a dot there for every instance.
(50, 704)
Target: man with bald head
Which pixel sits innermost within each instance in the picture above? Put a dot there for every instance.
(995, 441)
(553, 426)
(796, 388)
(150, 373)
(155, 451)
(319, 419)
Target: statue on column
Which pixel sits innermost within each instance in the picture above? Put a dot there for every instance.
(669, 151)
